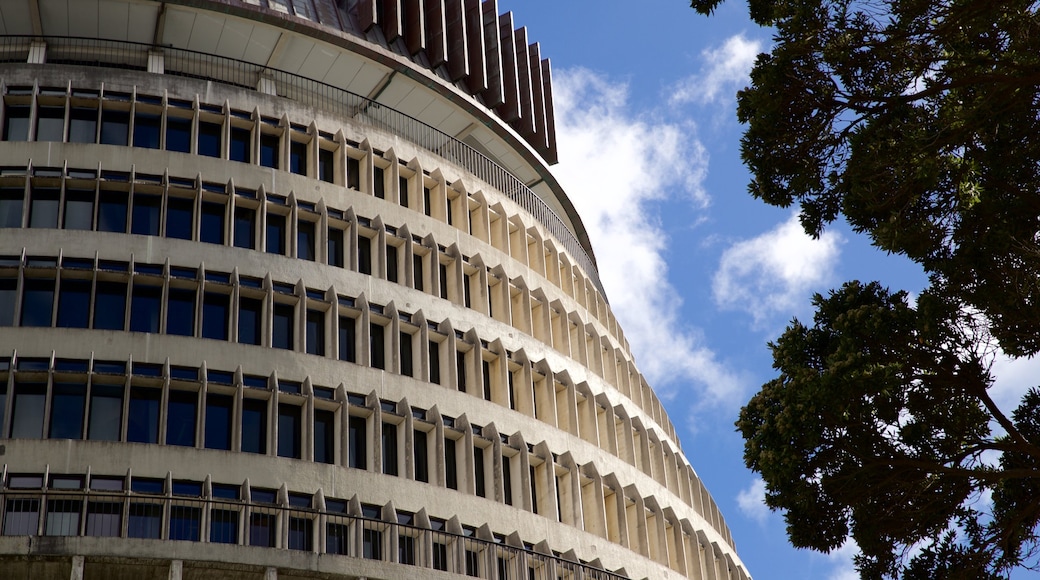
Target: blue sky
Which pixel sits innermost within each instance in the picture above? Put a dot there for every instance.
(700, 275)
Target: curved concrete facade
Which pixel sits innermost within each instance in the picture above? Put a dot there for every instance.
(287, 291)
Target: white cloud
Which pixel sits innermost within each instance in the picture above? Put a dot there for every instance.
(772, 273)
(752, 501)
(725, 71)
(614, 165)
(844, 567)
(1014, 376)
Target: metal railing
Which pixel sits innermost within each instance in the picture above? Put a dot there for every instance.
(181, 62)
(193, 519)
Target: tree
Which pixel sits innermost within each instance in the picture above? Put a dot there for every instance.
(916, 121)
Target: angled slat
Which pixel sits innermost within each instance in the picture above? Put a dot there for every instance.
(414, 26)
(393, 19)
(525, 109)
(539, 140)
(493, 95)
(436, 39)
(550, 119)
(367, 14)
(509, 110)
(458, 39)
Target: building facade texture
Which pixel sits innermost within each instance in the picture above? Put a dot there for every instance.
(287, 290)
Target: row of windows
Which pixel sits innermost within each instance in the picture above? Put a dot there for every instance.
(101, 400)
(177, 209)
(217, 513)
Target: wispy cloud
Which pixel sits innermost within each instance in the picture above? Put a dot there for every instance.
(615, 164)
(724, 72)
(772, 274)
(752, 501)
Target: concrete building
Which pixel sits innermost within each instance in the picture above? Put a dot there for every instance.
(287, 290)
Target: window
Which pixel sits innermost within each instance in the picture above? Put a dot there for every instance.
(305, 240)
(507, 479)
(50, 123)
(218, 421)
(27, 411)
(79, 209)
(406, 354)
(223, 526)
(301, 534)
(435, 362)
(145, 307)
(316, 332)
(185, 523)
(262, 529)
(22, 517)
(245, 228)
(336, 247)
(115, 127)
(74, 303)
(180, 312)
(145, 520)
(478, 471)
(178, 134)
(11, 207)
(298, 158)
(83, 124)
(276, 234)
(104, 518)
(16, 123)
(106, 412)
(324, 436)
(211, 229)
(43, 208)
(269, 150)
(179, 213)
(364, 255)
(406, 549)
(110, 305)
(254, 426)
(417, 271)
(358, 451)
(451, 478)
(143, 415)
(289, 424)
(391, 263)
(147, 130)
(180, 418)
(37, 302)
(146, 212)
(353, 173)
(8, 294)
(377, 346)
(421, 459)
(325, 166)
(372, 544)
(216, 315)
(209, 139)
(389, 448)
(249, 311)
(440, 556)
(379, 183)
(402, 191)
(239, 149)
(282, 326)
(112, 211)
(336, 541)
(67, 405)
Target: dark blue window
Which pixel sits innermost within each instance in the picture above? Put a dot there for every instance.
(420, 456)
(353, 173)
(143, 416)
(389, 449)
(110, 305)
(211, 229)
(50, 123)
(379, 183)
(74, 304)
(180, 312)
(147, 130)
(178, 134)
(316, 332)
(249, 310)
(336, 247)
(282, 326)
(27, 411)
(145, 307)
(145, 520)
(269, 150)
(223, 526)
(216, 315)
(43, 211)
(185, 523)
(179, 213)
(218, 421)
(147, 209)
(16, 123)
(83, 125)
(79, 209)
(377, 346)
(364, 255)
(67, 405)
(325, 165)
(254, 426)
(37, 302)
(346, 339)
(180, 418)
(261, 529)
(298, 158)
(112, 211)
(357, 453)
(289, 431)
(8, 294)
(115, 127)
(245, 228)
(275, 234)
(305, 240)
(106, 412)
(238, 149)
(11, 207)
(209, 139)
(324, 436)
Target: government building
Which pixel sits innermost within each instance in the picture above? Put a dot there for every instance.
(288, 291)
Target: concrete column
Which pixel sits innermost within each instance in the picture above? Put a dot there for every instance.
(77, 568)
(176, 569)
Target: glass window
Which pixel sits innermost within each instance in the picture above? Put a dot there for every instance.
(179, 211)
(185, 523)
(145, 307)
(435, 362)
(22, 517)
(218, 421)
(249, 310)
(377, 346)
(145, 520)
(27, 411)
(50, 123)
(112, 211)
(336, 538)
(104, 518)
(451, 477)
(83, 125)
(79, 209)
(115, 127)
(353, 173)
(67, 404)
(417, 271)
(406, 549)
(110, 305)
(239, 148)
(209, 139)
(223, 526)
(147, 209)
(347, 346)
(406, 354)
(379, 183)
(16, 123)
(216, 315)
(147, 129)
(178, 134)
(180, 312)
(316, 332)
(269, 150)
(372, 544)
(276, 234)
(440, 556)
(143, 415)
(74, 303)
(364, 255)
(391, 263)
(11, 207)
(325, 166)
(305, 240)
(478, 470)
(282, 327)
(298, 158)
(421, 459)
(324, 436)
(180, 418)
(261, 529)
(289, 431)
(37, 302)
(358, 450)
(63, 517)
(389, 448)
(336, 247)
(245, 228)
(212, 226)
(43, 211)
(402, 190)
(106, 412)
(254, 426)
(8, 295)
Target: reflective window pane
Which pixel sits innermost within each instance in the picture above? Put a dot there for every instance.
(27, 411)
(145, 307)
(211, 228)
(147, 209)
(74, 303)
(180, 418)
(106, 412)
(245, 228)
(282, 326)
(110, 305)
(43, 209)
(147, 130)
(249, 310)
(178, 134)
(11, 207)
(79, 209)
(143, 416)
(254, 426)
(16, 123)
(83, 125)
(50, 123)
(180, 312)
(218, 421)
(276, 234)
(216, 315)
(68, 402)
(112, 211)
(209, 139)
(115, 127)
(289, 423)
(179, 212)
(37, 302)
(269, 150)
(239, 147)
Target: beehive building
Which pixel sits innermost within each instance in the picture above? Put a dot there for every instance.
(287, 290)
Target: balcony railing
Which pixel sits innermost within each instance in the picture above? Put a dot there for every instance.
(135, 56)
(193, 519)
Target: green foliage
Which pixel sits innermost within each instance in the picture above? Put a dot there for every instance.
(915, 121)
